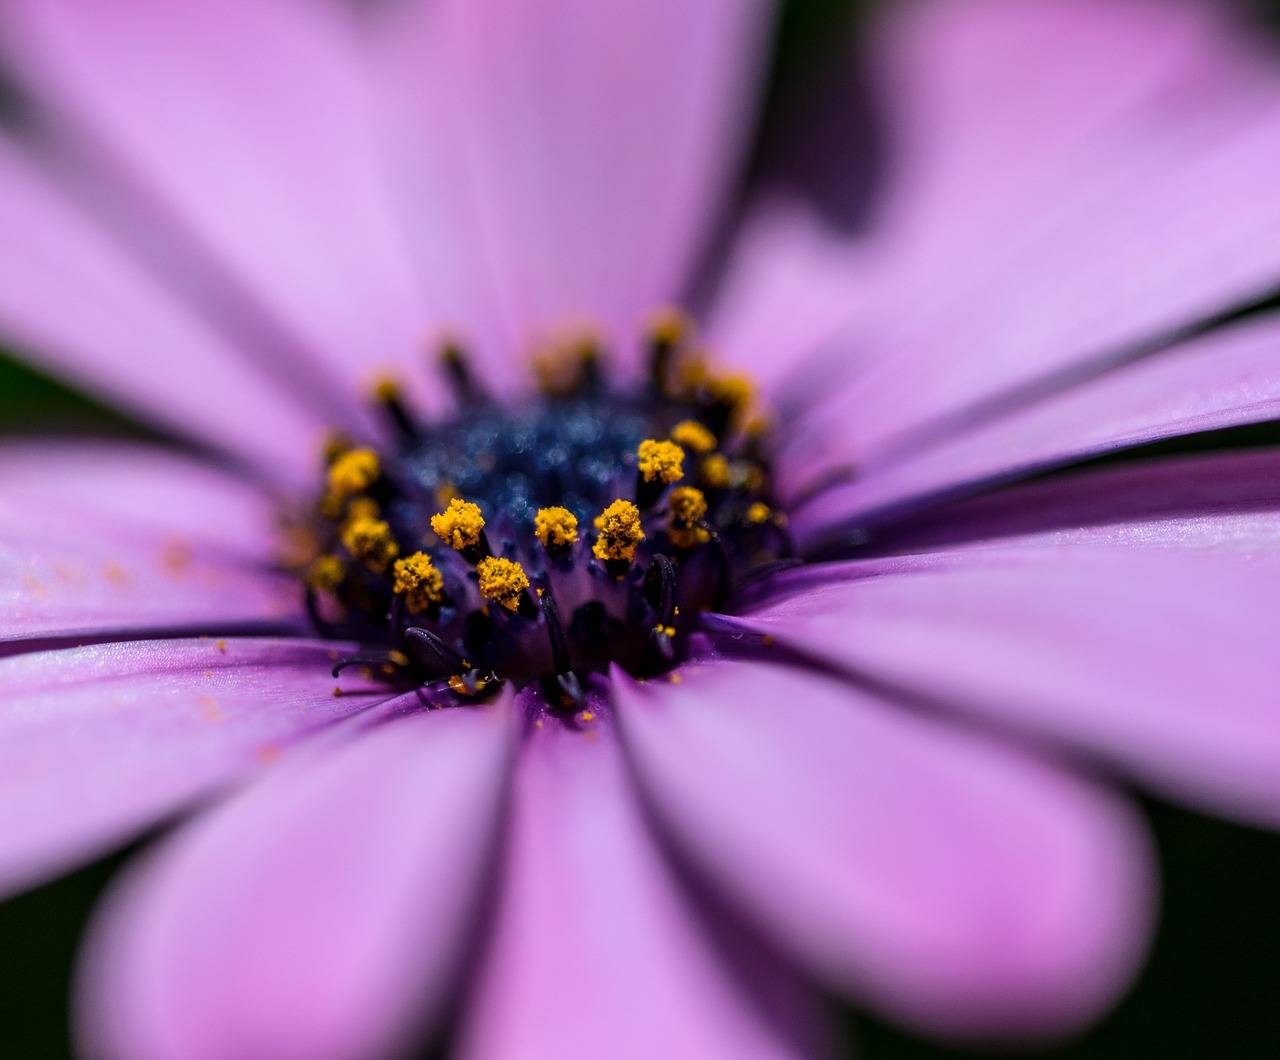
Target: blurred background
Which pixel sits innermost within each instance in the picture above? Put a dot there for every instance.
(1211, 986)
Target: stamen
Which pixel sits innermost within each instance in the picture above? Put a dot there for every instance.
(461, 527)
(694, 437)
(668, 331)
(370, 540)
(660, 464)
(714, 472)
(556, 528)
(687, 507)
(417, 579)
(620, 532)
(353, 472)
(457, 369)
(326, 573)
(505, 582)
(389, 395)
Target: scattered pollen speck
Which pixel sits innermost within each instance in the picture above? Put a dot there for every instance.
(222, 647)
(34, 585)
(114, 573)
(337, 691)
(268, 752)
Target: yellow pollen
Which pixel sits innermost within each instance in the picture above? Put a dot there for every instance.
(555, 527)
(687, 505)
(670, 326)
(326, 573)
(460, 525)
(419, 582)
(715, 472)
(362, 508)
(735, 391)
(330, 506)
(619, 526)
(693, 436)
(460, 686)
(502, 580)
(354, 471)
(661, 461)
(758, 513)
(370, 540)
(387, 388)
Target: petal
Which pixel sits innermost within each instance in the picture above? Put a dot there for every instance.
(79, 306)
(1147, 210)
(952, 882)
(253, 121)
(1148, 644)
(1227, 378)
(596, 141)
(789, 285)
(98, 743)
(321, 913)
(114, 537)
(595, 951)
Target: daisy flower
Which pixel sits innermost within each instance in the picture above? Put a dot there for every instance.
(540, 668)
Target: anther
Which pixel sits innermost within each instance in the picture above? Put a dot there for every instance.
(659, 465)
(620, 533)
(353, 472)
(687, 508)
(370, 541)
(326, 573)
(389, 396)
(557, 529)
(505, 582)
(457, 369)
(693, 436)
(418, 581)
(669, 329)
(461, 527)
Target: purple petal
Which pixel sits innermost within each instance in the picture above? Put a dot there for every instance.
(595, 951)
(98, 743)
(594, 142)
(322, 913)
(79, 306)
(1149, 644)
(252, 120)
(1226, 379)
(115, 537)
(1107, 168)
(952, 882)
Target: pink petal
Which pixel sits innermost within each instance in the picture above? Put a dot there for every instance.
(322, 913)
(252, 120)
(595, 142)
(99, 743)
(595, 951)
(952, 882)
(1148, 643)
(114, 537)
(80, 307)
(1108, 167)
(789, 286)
(1225, 379)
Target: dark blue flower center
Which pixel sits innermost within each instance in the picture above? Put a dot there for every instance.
(586, 526)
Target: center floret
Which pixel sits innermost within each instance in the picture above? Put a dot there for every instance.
(460, 554)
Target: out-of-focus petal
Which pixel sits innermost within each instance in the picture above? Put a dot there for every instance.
(76, 304)
(789, 285)
(251, 119)
(1106, 168)
(951, 881)
(594, 140)
(1227, 378)
(1148, 643)
(114, 537)
(100, 742)
(595, 950)
(321, 914)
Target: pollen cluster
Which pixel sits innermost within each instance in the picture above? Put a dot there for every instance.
(550, 539)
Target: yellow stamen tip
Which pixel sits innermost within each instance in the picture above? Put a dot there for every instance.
(370, 540)
(326, 573)
(735, 391)
(555, 527)
(693, 436)
(687, 505)
(460, 525)
(354, 471)
(759, 513)
(715, 472)
(670, 326)
(619, 526)
(417, 579)
(661, 461)
(502, 581)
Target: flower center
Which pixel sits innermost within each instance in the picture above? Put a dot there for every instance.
(588, 525)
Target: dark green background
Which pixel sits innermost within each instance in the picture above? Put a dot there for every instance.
(1211, 985)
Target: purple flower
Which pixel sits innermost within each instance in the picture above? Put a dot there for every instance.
(681, 784)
